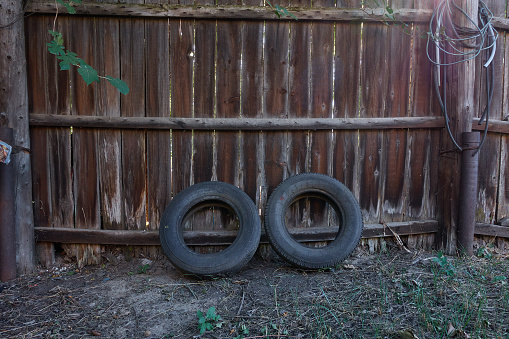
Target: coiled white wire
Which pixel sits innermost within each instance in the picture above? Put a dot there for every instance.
(453, 44)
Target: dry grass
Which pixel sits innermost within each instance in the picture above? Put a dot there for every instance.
(387, 295)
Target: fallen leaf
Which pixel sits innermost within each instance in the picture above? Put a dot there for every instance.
(451, 331)
(95, 333)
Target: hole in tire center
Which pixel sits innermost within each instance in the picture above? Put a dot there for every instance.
(210, 227)
(312, 220)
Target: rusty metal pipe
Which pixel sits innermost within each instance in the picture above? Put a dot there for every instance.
(7, 216)
(468, 192)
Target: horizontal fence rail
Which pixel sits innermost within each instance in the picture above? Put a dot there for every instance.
(208, 238)
(242, 12)
(252, 124)
(229, 12)
(247, 124)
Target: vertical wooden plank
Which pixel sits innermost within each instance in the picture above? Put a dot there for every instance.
(346, 103)
(37, 104)
(276, 101)
(228, 98)
(85, 171)
(181, 70)
(422, 155)
(158, 105)
(132, 53)
(299, 99)
(299, 106)
(251, 164)
(489, 155)
(373, 94)
(503, 183)
(395, 141)
(204, 91)
(322, 56)
(109, 142)
(51, 151)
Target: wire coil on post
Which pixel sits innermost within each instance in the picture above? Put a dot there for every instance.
(449, 44)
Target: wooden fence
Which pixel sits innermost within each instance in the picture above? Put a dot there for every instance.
(228, 92)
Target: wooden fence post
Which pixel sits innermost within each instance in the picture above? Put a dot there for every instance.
(14, 101)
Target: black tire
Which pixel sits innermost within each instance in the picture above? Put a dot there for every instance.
(333, 192)
(212, 193)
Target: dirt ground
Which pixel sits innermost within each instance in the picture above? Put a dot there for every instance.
(387, 295)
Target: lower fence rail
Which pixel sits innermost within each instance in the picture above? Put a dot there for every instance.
(208, 238)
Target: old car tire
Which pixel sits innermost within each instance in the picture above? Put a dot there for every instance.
(339, 198)
(217, 193)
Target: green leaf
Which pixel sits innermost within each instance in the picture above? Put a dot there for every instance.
(119, 84)
(55, 48)
(57, 37)
(199, 313)
(88, 74)
(64, 66)
(211, 312)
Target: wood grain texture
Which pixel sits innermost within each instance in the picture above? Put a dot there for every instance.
(132, 66)
(204, 98)
(109, 142)
(243, 124)
(275, 103)
(228, 98)
(489, 155)
(394, 161)
(374, 83)
(181, 76)
(85, 164)
(259, 12)
(158, 104)
(251, 155)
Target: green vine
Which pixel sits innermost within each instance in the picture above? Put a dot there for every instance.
(68, 58)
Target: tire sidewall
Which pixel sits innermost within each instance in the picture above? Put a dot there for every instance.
(346, 207)
(230, 259)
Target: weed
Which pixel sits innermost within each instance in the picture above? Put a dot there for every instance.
(143, 269)
(209, 320)
(445, 266)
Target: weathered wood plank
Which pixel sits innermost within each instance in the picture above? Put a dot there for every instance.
(204, 103)
(275, 103)
(85, 170)
(132, 64)
(109, 142)
(299, 103)
(489, 155)
(247, 124)
(207, 238)
(228, 98)
(322, 88)
(374, 82)
(394, 161)
(158, 104)
(346, 103)
(422, 156)
(181, 75)
(251, 164)
(228, 12)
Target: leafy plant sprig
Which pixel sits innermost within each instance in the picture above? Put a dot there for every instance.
(68, 58)
(280, 11)
(209, 320)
